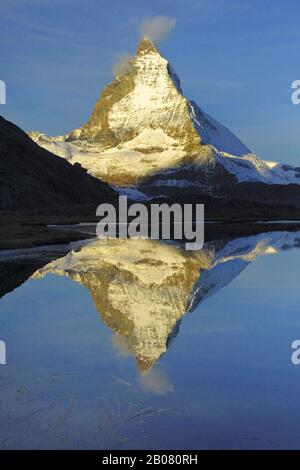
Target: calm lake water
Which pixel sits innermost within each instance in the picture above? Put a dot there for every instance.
(129, 344)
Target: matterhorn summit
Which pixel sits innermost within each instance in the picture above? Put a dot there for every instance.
(146, 108)
(144, 134)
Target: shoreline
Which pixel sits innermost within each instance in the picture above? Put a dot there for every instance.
(19, 236)
(223, 219)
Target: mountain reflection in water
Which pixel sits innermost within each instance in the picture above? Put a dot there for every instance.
(142, 288)
(71, 381)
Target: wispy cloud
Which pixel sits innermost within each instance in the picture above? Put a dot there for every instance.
(156, 381)
(121, 65)
(121, 345)
(157, 28)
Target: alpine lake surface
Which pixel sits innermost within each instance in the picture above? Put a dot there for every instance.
(140, 344)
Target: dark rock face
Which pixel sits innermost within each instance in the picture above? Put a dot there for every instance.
(213, 180)
(272, 194)
(33, 178)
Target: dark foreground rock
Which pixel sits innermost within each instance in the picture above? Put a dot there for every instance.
(33, 178)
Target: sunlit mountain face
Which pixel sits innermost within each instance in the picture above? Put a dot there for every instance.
(148, 140)
(142, 288)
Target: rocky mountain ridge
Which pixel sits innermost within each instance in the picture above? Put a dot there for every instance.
(143, 134)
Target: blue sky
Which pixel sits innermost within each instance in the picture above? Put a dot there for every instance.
(236, 59)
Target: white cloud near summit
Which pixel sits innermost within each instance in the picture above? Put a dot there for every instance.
(121, 65)
(158, 28)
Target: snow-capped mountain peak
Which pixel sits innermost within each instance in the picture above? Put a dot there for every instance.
(143, 128)
(146, 46)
